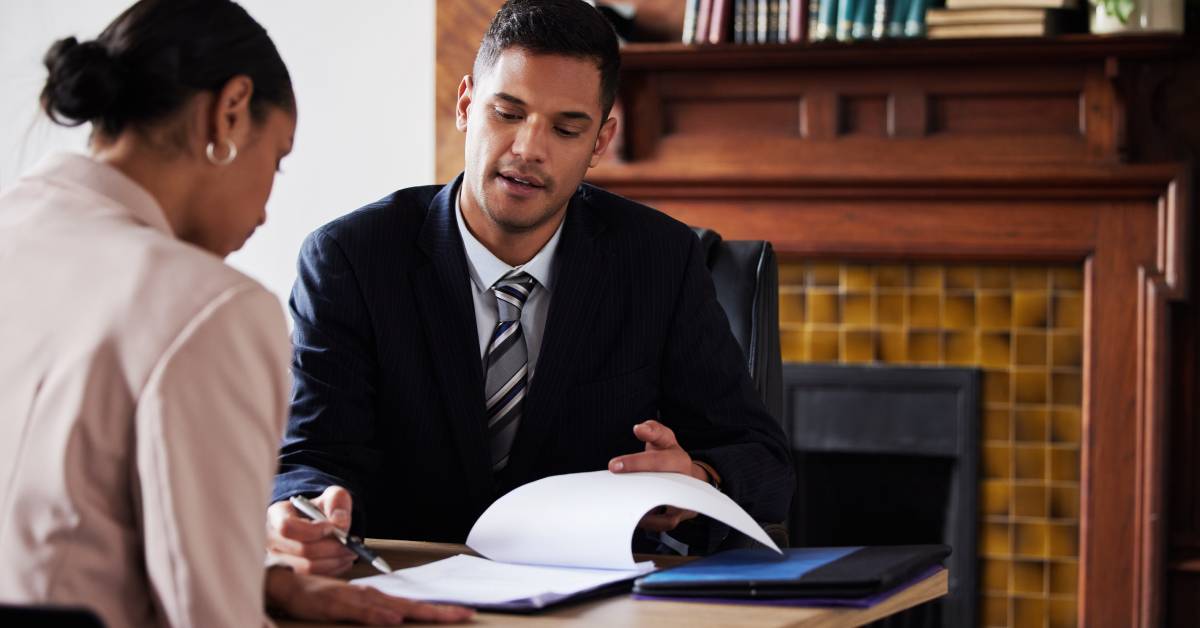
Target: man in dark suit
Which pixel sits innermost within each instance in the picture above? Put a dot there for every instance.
(452, 343)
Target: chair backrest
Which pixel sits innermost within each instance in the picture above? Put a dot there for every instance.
(43, 615)
(746, 276)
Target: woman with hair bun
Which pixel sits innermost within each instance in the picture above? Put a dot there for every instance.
(144, 382)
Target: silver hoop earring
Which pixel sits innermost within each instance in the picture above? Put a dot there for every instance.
(212, 157)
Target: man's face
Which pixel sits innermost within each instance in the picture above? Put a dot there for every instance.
(534, 127)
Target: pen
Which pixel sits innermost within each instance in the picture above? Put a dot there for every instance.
(352, 543)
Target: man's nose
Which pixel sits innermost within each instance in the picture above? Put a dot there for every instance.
(530, 142)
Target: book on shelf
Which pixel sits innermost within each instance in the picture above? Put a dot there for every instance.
(879, 19)
(797, 20)
(762, 22)
(1052, 23)
(719, 21)
(845, 19)
(703, 15)
(814, 17)
(690, 8)
(781, 23)
(974, 31)
(914, 24)
(947, 17)
(992, 4)
(1003, 22)
(738, 30)
(790, 21)
(896, 17)
(864, 19)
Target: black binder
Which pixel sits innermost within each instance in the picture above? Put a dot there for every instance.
(814, 572)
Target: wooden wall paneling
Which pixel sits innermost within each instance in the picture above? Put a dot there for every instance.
(1112, 432)
(819, 114)
(659, 20)
(460, 25)
(641, 119)
(907, 112)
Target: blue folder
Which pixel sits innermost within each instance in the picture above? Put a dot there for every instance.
(811, 572)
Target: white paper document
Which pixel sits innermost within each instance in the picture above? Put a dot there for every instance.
(560, 537)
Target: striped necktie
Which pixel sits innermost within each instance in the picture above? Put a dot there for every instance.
(506, 364)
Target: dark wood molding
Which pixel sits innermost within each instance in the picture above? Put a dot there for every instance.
(893, 52)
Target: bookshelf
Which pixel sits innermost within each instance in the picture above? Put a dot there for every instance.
(671, 55)
(1075, 149)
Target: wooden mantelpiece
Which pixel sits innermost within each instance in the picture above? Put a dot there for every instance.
(908, 106)
(1073, 149)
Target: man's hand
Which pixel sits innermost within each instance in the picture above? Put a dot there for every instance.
(317, 598)
(309, 546)
(662, 453)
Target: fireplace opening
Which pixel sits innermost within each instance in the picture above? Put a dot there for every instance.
(889, 456)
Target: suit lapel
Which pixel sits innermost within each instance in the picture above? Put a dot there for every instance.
(448, 312)
(578, 289)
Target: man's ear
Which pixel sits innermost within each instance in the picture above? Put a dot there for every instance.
(608, 131)
(463, 106)
(228, 117)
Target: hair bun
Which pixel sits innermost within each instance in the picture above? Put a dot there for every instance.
(84, 82)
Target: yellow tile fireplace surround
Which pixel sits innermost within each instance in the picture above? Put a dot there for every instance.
(1022, 325)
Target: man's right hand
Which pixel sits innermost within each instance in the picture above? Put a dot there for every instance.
(307, 546)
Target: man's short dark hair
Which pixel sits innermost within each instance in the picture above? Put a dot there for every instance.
(563, 27)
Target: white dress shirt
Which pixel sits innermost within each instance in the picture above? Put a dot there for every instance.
(143, 391)
(486, 269)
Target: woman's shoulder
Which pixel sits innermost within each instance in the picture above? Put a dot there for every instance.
(187, 279)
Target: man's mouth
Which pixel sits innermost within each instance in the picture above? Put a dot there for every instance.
(523, 180)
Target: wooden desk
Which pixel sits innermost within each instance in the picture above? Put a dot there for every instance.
(625, 611)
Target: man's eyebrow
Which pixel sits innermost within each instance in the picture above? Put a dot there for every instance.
(510, 98)
(573, 115)
(576, 115)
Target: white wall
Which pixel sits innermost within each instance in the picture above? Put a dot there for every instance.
(363, 74)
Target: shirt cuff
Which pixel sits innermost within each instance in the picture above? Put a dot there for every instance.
(714, 478)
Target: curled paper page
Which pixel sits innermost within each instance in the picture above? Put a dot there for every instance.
(587, 519)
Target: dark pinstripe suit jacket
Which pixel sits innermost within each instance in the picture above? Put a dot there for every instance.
(388, 391)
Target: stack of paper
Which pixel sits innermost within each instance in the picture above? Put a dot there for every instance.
(558, 538)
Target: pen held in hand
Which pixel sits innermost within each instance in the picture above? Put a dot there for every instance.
(352, 543)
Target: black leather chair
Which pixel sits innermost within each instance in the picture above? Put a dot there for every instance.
(746, 276)
(56, 616)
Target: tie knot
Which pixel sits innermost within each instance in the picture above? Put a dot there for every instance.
(511, 292)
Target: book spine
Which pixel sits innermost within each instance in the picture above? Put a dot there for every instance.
(689, 21)
(864, 19)
(781, 28)
(880, 19)
(718, 30)
(845, 19)
(899, 13)
(760, 25)
(738, 34)
(773, 21)
(827, 24)
(702, 18)
(814, 19)
(914, 26)
(797, 20)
